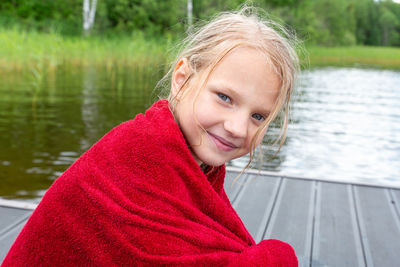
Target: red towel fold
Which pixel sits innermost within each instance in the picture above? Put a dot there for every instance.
(138, 198)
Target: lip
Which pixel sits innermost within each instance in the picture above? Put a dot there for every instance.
(221, 143)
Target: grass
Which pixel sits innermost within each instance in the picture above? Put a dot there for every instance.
(360, 56)
(21, 50)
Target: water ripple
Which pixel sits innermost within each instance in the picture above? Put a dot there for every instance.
(345, 125)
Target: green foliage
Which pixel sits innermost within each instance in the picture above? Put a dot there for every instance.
(20, 50)
(341, 22)
(204, 9)
(388, 23)
(318, 22)
(43, 15)
(154, 17)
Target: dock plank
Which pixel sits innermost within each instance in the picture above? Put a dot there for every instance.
(290, 218)
(10, 215)
(231, 187)
(396, 200)
(254, 202)
(380, 224)
(336, 222)
(11, 222)
(8, 238)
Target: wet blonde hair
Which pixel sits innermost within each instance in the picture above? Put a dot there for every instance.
(205, 47)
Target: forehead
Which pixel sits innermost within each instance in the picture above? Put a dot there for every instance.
(248, 73)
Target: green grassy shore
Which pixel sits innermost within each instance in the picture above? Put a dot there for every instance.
(21, 50)
(24, 50)
(355, 56)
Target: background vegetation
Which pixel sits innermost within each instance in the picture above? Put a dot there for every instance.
(318, 22)
(48, 33)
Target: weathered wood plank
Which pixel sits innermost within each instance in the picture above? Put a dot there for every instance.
(8, 238)
(232, 188)
(382, 232)
(10, 215)
(395, 193)
(336, 239)
(254, 203)
(291, 219)
(11, 222)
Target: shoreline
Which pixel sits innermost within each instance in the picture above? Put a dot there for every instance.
(26, 50)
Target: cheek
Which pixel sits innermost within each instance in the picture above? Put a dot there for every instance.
(260, 136)
(205, 111)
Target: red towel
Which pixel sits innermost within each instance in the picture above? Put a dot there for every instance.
(138, 198)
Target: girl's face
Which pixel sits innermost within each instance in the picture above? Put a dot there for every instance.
(220, 123)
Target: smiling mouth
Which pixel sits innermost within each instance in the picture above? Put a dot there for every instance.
(222, 144)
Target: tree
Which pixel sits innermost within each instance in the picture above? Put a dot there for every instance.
(388, 23)
(89, 11)
(190, 12)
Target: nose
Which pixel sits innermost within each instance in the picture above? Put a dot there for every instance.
(237, 125)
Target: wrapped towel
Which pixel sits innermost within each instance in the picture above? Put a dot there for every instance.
(138, 198)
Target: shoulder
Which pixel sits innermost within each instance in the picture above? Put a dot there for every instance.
(156, 121)
(150, 134)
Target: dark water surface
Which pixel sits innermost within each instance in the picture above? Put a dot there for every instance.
(345, 123)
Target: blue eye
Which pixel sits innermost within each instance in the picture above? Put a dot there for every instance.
(224, 97)
(258, 117)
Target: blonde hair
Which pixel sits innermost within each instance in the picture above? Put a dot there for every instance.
(206, 47)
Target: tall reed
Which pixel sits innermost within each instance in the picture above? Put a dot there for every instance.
(20, 50)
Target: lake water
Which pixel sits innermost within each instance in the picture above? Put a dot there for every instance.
(345, 126)
(345, 123)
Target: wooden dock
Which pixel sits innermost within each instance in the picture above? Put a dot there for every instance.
(328, 223)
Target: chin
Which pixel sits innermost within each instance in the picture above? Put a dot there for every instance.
(213, 160)
(211, 156)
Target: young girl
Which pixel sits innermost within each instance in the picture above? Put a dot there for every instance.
(150, 192)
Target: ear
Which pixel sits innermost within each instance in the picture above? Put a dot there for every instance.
(179, 77)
